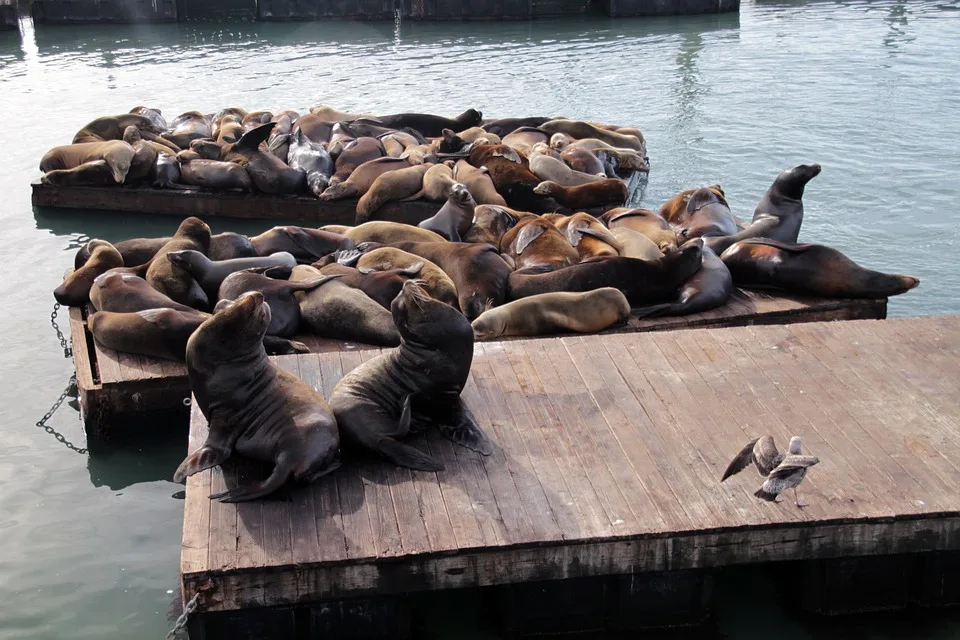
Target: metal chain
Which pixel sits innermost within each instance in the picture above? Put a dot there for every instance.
(67, 350)
(187, 611)
(42, 423)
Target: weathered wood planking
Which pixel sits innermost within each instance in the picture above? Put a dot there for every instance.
(609, 451)
(134, 384)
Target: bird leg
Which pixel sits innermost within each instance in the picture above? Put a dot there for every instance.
(797, 499)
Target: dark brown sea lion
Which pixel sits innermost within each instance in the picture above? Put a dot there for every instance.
(390, 187)
(121, 292)
(253, 407)
(643, 282)
(280, 136)
(255, 119)
(810, 269)
(212, 174)
(188, 127)
(354, 154)
(306, 245)
(171, 280)
(210, 274)
(535, 242)
(504, 126)
(477, 270)
(380, 286)
(701, 212)
(116, 153)
(478, 182)
(510, 173)
(434, 279)
(206, 149)
(159, 333)
(431, 126)
(644, 221)
(112, 128)
(268, 173)
(709, 288)
(549, 313)
(780, 212)
(611, 191)
(418, 386)
(455, 216)
(75, 289)
(341, 312)
(94, 173)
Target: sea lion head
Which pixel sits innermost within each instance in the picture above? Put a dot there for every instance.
(546, 188)
(196, 229)
(706, 196)
(75, 289)
(791, 182)
(236, 327)
(188, 259)
(461, 195)
(470, 118)
(488, 326)
(423, 320)
(207, 149)
(683, 262)
(490, 223)
(559, 141)
(131, 135)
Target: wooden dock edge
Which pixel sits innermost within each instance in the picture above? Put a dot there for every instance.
(312, 583)
(89, 389)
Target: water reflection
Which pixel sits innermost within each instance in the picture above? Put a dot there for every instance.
(898, 34)
(145, 450)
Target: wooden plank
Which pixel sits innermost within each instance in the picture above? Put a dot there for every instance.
(278, 512)
(88, 387)
(196, 508)
(109, 364)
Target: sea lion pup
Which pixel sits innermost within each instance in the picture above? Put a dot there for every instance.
(188, 127)
(210, 274)
(701, 212)
(437, 183)
(584, 161)
(160, 333)
(504, 126)
(580, 130)
(75, 289)
(268, 173)
(390, 187)
(810, 269)
(634, 244)
(144, 162)
(709, 288)
(386, 232)
(173, 281)
(477, 270)
(285, 317)
(643, 282)
(455, 216)
(212, 174)
(588, 236)
(116, 153)
(478, 182)
(414, 388)
(112, 128)
(611, 191)
(380, 286)
(434, 279)
(328, 113)
(121, 292)
(524, 139)
(94, 173)
(491, 222)
(311, 158)
(306, 245)
(549, 313)
(535, 242)
(341, 312)
(355, 153)
(643, 221)
(253, 407)
(429, 125)
(509, 172)
(780, 212)
(361, 179)
(546, 167)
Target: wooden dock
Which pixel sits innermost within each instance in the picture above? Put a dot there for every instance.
(608, 455)
(112, 384)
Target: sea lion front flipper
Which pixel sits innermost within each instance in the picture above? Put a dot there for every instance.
(250, 141)
(467, 433)
(217, 448)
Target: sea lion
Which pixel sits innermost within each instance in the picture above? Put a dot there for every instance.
(380, 286)
(112, 128)
(75, 289)
(549, 313)
(93, 173)
(188, 127)
(810, 269)
(392, 146)
(780, 212)
(453, 142)
(228, 131)
(389, 187)
(166, 174)
(252, 406)
(314, 128)
(643, 282)
(478, 182)
(306, 245)
(491, 222)
(583, 161)
(437, 183)
(431, 126)
(120, 292)
(370, 128)
(708, 288)
(206, 149)
(523, 139)
(580, 130)
(622, 159)
(535, 242)
(210, 274)
(341, 312)
(330, 114)
(268, 173)
(634, 244)
(159, 333)
(155, 116)
(386, 232)
(116, 153)
(643, 221)
(382, 401)
(311, 158)
(279, 141)
(549, 168)
(701, 212)
(144, 162)
(510, 174)
(169, 279)
(455, 216)
(362, 178)
(611, 191)
(212, 174)
(505, 126)
(255, 120)
(354, 154)
(420, 154)
(434, 279)
(229, 245)
(477, 271)
(285, 314)
(588, 236)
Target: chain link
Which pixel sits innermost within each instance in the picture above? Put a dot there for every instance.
(42, 423)
(67, 350)
(188, 610)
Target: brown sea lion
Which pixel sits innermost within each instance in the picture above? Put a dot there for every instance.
(121, 292)
(435, 280)
(535, 242)
(206, 149)
(280, 294)
(268, 173)
(588, 236)
(210, 274)
(386, 232)
(546, 167)
(306, 245)
(420, 154)
(112, 128)
(155, 116)
(116, 153)
(491, 222)
(75, 289)
(611, 191)
(701, 212)
(504, 126)
(93, 173)
(341, 312)
(331, 114)
(389, 187)
(158, 333)
(643, 282)
(709, 288)
(252, 406)
(381, 286)
(171, 280)
(354, 154)
(644, 221)
(579, 130)
(138, 251)
(431, 126)
(188, 127)
(144, 162)
(212, 174)
(621, 159)
(255, 120)
(477, 270)
(510, 174)
(583, 161)
(230, 130)
(413, 388)
(478, 182)
(810, 269)
(392, 146)
(362, 178)
(315, 128)
(437, 183)
(634, 244)
(549, 313)
(455, 216)
(523, 139)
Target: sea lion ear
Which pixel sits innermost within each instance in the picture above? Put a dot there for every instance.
(250, 141)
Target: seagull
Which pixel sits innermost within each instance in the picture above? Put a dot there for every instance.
(782, 471)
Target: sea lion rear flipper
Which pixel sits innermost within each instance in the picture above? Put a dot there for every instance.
(281, 473)
(527, 235)
(251, 140)
(601, 234)
(313, 283)
(348, 258)
(467, 433)
(413, 270)
(282, 347)
(406, 456)
(279, 141)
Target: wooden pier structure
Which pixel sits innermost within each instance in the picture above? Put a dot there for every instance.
(113, 385)
(608, 455)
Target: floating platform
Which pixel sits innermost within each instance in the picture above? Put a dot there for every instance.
(113, 384)
(608, 455)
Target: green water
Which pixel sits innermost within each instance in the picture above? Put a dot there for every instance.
(89, 545)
